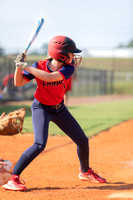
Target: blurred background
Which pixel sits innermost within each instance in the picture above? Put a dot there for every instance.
(102, 29)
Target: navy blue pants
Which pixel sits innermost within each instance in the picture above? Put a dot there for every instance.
(41, 116)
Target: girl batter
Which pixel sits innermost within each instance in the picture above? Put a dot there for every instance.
(52, 76)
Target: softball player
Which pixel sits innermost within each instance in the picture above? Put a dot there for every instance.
(52, 76)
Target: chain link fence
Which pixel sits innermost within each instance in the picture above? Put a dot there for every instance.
(95, 76)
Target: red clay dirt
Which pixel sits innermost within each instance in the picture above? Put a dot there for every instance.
(53, 175)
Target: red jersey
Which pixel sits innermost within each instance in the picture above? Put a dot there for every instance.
(50, 93)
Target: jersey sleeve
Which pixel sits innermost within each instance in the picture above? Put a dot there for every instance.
(66, 71)
(28, 76)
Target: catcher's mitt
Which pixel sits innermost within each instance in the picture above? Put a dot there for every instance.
(12, 123)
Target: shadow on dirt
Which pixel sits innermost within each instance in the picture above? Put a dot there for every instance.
(57, 147)
(109, 186)
(46, 188)
(113, 186)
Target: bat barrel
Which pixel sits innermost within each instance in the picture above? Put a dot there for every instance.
(34, 33)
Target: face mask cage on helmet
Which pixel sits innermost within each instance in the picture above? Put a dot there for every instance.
(76, 60)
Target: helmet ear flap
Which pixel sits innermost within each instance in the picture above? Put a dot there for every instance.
(62, 58)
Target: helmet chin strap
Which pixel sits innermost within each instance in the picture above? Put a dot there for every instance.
(67, 60)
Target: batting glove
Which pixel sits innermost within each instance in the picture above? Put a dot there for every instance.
(21, 64)
(20, 58)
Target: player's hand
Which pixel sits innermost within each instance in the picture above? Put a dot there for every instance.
(2, 163)
(20, 57)
(2, 115)
(20, 60)
(25, 56)
(21, 64)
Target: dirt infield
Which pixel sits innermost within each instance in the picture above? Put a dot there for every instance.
(53, 175)
(78, 100)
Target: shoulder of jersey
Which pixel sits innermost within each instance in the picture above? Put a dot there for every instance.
(69, 65)
(42, 61)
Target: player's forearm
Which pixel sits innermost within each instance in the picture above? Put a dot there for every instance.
(18, 78)
(44, 76)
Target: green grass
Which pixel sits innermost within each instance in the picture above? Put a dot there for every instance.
(93, 118)
(117, 64)
(123, 87)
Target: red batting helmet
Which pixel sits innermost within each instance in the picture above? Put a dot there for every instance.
(60, 46)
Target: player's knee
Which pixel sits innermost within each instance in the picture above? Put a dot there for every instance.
(40, 147)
